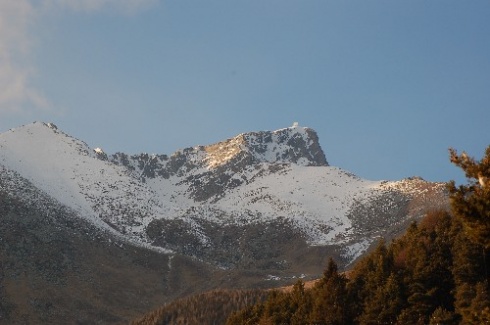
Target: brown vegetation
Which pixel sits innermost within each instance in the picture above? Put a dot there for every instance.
(212, 307)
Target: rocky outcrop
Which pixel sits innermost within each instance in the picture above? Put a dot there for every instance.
(291, 145)
(209, 171)
(285, 146)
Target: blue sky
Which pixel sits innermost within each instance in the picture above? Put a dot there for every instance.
(388, 85)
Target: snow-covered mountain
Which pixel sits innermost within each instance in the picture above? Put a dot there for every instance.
(261, 200)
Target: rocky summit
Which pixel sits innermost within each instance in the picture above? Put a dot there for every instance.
(258, 209)
(209, 170)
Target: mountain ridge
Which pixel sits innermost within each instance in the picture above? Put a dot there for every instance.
(260, 209)
(295, 144)
(253, 177)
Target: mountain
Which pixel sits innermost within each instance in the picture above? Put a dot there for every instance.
(262, 207)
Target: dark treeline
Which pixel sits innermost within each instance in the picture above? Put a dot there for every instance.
(437, 273)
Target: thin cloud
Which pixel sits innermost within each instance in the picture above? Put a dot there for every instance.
(15, 69)
(17, 18)
(126, 6)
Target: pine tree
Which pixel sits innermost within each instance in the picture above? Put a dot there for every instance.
(471, 202)
(385, 305)
(366, 279)
(302, 304)
(442, 316)
(277, 309)
(330, 305)
(480, 305)
(468, 270)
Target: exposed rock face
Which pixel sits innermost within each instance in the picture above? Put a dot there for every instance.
(291, 145)
(218, 162)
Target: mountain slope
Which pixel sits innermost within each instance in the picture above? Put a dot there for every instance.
(244, 202)
(57, 268)
(68, 170)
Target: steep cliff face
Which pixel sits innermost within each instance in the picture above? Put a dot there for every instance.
(295, 145)
(291, 145)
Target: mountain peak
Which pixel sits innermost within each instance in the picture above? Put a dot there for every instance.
(295, 144)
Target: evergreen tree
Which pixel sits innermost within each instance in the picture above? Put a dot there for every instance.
(471, 202)
(442, 316)
(480, 306)
(428, 278)
(385, 305)
(367, 278)
(302, 304)
(277, 309)
(330, 304)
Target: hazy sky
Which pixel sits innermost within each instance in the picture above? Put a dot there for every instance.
(388, 85)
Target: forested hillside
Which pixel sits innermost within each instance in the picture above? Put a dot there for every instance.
(212, 307)
(437, 273)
